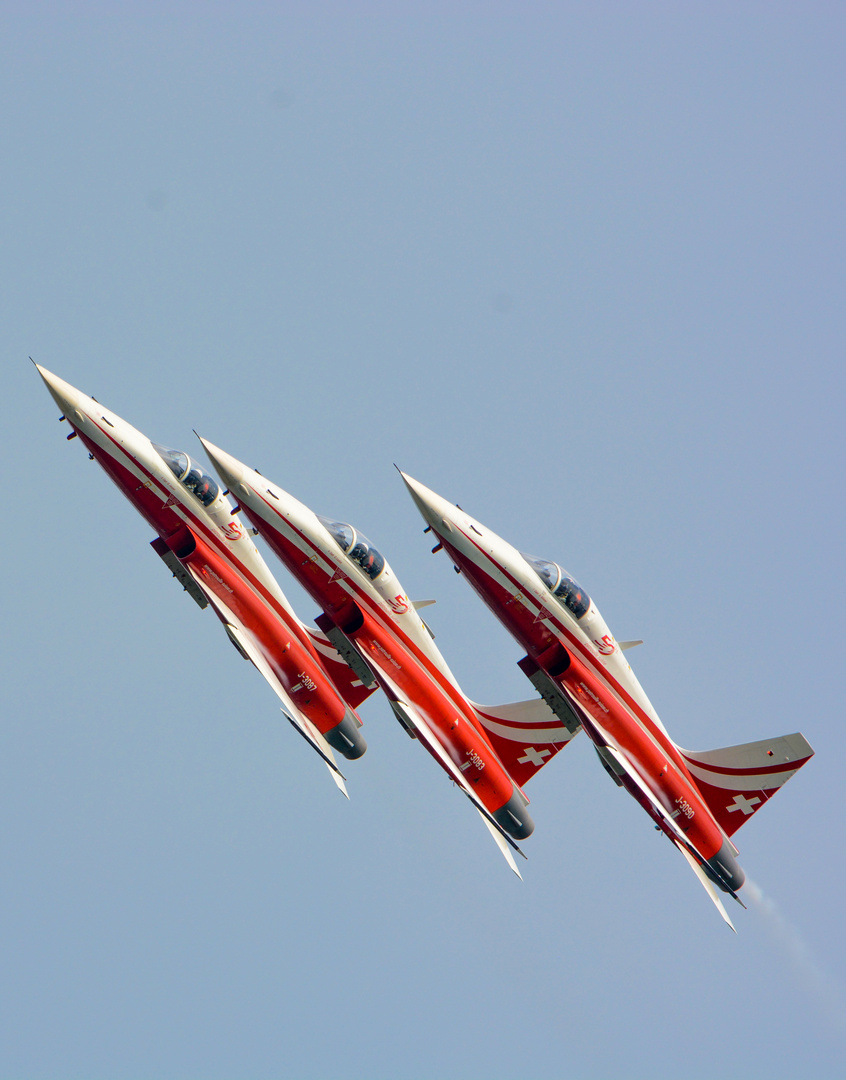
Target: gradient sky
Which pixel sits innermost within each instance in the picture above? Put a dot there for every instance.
(578, 267)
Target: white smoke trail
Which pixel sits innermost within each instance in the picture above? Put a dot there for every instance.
(827, 990)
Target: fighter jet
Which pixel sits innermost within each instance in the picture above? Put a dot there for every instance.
(490, 752)
(212, 555)
(697, 799)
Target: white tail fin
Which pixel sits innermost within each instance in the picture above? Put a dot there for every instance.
(736, 781)
(526, 735)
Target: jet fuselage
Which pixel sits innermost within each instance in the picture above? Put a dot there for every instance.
(567, 640)
(197, 527)
(362, 599)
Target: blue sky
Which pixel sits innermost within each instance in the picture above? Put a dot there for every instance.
(576, 267)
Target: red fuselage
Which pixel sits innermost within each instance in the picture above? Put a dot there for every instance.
(607, 709)
(224, 562)
(397, 648)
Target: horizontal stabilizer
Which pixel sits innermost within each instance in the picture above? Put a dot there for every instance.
(736, 781)
(418, 604)
(334, 771)
(525, 735)
(625, 768)
(629, 644)
(707, 884)
(298, 720)
(501, 844)
(414, 722)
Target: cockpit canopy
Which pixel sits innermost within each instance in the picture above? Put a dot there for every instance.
(560, 584)
(189, 474)
(357, 547)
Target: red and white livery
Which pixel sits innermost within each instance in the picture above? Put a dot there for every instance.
(208, 549)
(699, 800)
(489, 752)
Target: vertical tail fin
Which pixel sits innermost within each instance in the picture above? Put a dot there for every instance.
(525, 735)
(736, 781)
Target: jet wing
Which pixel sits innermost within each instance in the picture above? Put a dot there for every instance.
(677, 836)
(244, 643)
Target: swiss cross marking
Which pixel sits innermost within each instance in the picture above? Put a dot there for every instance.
(744, 804)
(534, 756)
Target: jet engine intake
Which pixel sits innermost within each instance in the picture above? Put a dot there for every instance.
(182, 543)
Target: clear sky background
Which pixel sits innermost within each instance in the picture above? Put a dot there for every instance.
(579, 267)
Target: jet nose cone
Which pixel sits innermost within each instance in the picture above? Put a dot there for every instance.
(67, 397)
(417, 491)
(433, 508)
(228, 468)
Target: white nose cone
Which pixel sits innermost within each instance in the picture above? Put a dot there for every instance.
(229, 469)
(435, 509)
(67, 397)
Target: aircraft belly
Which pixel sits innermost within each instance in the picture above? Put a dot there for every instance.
(652, 753)
(448, 720)
(609, 724)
